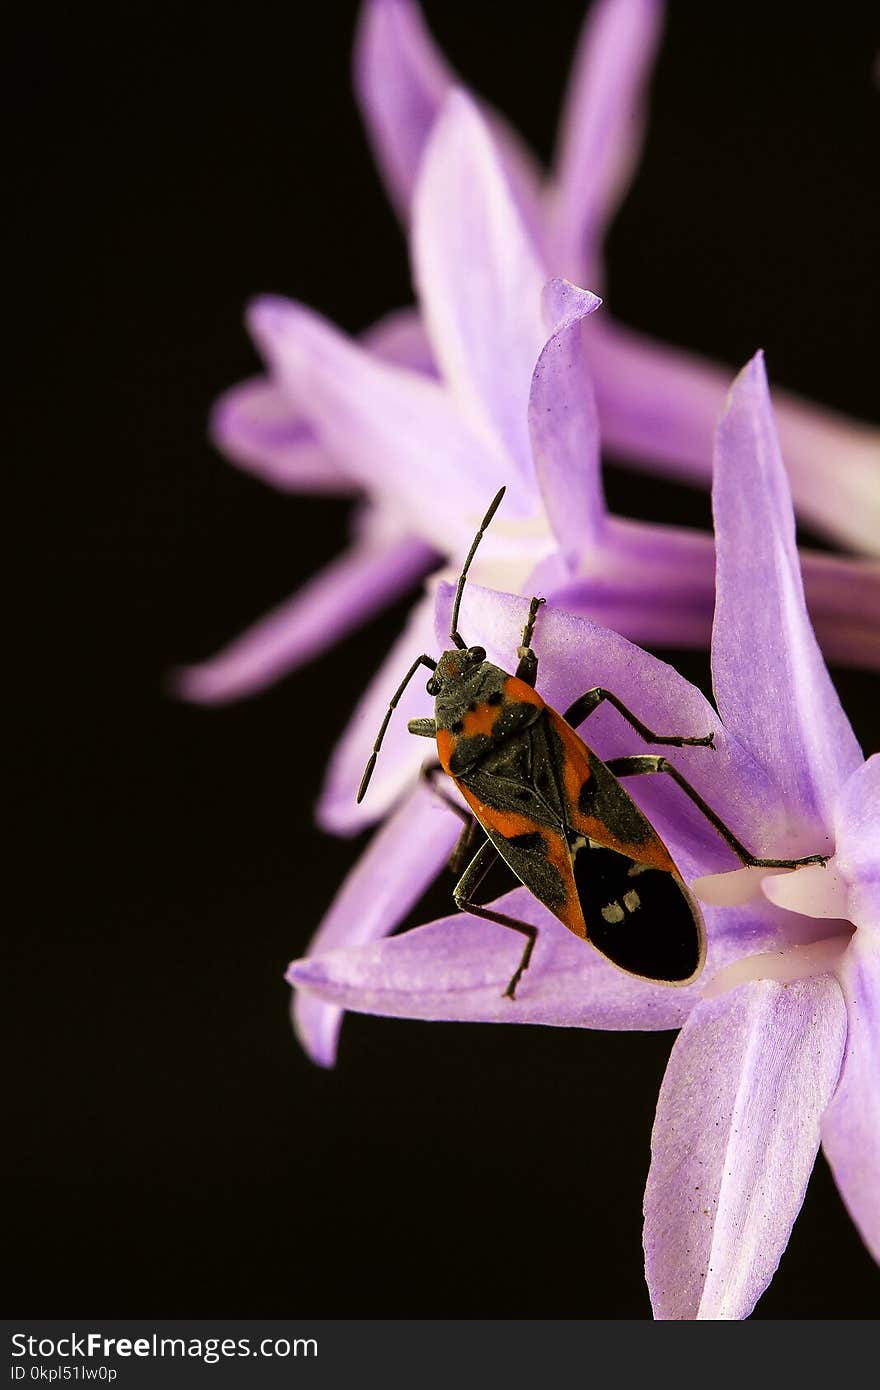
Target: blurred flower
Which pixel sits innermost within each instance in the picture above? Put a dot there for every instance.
(425, 468)
(779, 1046)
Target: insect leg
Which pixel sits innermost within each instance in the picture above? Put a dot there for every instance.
(470, 880)
(641, 765)
(423, 660)
(579, 711)
(429, 774)
(527, 670)
(464, 847)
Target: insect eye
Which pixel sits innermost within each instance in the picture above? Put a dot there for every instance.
(477, 653)
(433, 686)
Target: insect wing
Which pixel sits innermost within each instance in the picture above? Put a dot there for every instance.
(577, 840)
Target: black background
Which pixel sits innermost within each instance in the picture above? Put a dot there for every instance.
(170, 1150)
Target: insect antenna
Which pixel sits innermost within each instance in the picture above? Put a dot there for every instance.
(422, 660)
(455, 636)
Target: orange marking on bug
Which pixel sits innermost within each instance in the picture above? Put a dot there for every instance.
(480, 720)
(510, 824)
(518, 692)
(575, 771)
(570, 913)
(445, 747)
(507, 823)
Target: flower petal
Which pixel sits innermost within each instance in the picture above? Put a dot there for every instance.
(401, 860)
(458, 967)
(771, 684)
(601, 130)
(857, 827)
(402, 753)
(575, 655)
(843, 600)
(735, 1138)
(259, 426)
(851, 1124)
(398, 432)
(400, 78)
(376, 570)
(655, 584)
(399, 337)
(255, 425)
(564, 427)
(479, 278)
(659, 405)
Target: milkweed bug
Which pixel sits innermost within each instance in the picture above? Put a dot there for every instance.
(555, 812)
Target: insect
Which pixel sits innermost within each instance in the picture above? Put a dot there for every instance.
(555, 812)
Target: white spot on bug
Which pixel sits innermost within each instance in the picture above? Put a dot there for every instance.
(635, 869)
(613, 912)
(631, 900)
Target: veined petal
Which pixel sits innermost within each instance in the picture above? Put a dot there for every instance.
(851, 1124)
(402, 752)
(458, 967)
(397, 431)
(857, 827)
(401, 860)
(660, 405)
(255, 425)
(673, 614)
(601, 130)
(261, 428)
(564, 426)
(843, 600)
(575, 655)
(400, 78)
(734, 1141)
(478, 277)
(771, 684)
(655, 584)
(373, 572)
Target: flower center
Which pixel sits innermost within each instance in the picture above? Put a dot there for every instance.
(793, 963)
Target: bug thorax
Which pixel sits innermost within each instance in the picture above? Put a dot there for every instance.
(463, 679)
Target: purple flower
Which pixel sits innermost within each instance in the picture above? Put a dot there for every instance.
(779, 1047)
(512, 405)
(484, 224)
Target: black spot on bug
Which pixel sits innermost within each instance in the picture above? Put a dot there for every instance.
(457, 727)
(472, 706)
(527, 856)
(629, 823)
(496, 698)
(529, 842)
(652, 932)
(467, 751)
(587, 796)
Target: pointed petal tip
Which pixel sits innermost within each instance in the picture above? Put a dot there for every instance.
(304, 971)
(316, 1027)
(459, 104)
(561, 299)
(753, 375)
(194, 685)
(267, 315)
(755, 369)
